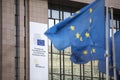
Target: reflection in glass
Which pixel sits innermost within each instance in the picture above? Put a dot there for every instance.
(111, 32)
(56, 21)
(51, 22)
(114, 23)
(118, 24)
(66, 15)
(48, 12)
(55, 14)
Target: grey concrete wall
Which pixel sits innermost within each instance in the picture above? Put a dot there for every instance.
(0, 39)
(27, 39)
(114, 3)
(8, 40)
(21, 39)
(38, 11)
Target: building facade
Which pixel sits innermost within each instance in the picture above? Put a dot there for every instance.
(15, 18)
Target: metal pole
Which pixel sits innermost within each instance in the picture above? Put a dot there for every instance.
(113, 46)
(107, 43)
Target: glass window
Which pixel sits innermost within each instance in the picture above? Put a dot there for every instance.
(55, 14)
(51, 22)
(66, 15)
(118, 25)
(111, 32)
(114, 23)
(56, 21)
(49, 13)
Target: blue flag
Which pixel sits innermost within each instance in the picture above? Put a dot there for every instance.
(83, 29)
(86, 54)
(102, 64)
(117, 49)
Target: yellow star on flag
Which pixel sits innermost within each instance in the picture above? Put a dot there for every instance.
(93, 50)
(90, 20)
(85, 52)
(77, 12)
(71, 16)
(81, 39)
(90, 10)
(77, 35)
(72, 28)
(87, 34)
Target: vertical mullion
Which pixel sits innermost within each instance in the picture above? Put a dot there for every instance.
(63, 50)
(51, 62)
(60, 66)
(116, 25)
(119, 24)
(83, 72)
(80, 73)
(52, 57)
(72, 70)
(60, 51)
(99, 76)
(102, 76)
(71, 64)
(63, 66)
(91, 70)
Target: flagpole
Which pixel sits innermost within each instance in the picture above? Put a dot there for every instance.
(113, 46)
(107, 43)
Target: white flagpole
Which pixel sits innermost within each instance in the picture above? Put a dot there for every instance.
(113, 46)
(107, 43)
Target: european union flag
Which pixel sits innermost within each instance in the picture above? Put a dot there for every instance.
(102, 64)
(40, 42)
(84, 28)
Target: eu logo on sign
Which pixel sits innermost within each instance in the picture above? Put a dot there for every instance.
(40, 42)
